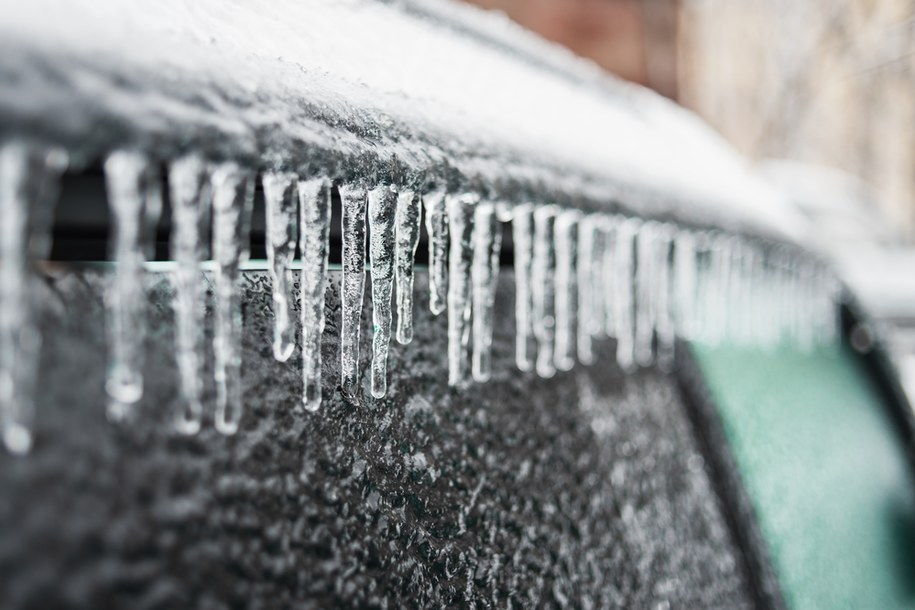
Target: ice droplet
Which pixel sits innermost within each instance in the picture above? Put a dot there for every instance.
(354, 200)
(29, 184)
(624, 295)
(133, 196)
(566, 244)
(382, 210)
(190, 199)
(543, 289)
(487, 245)
(406, 236)
(437, 229)
(460, 220)
(314, 207)
(523, 243)
(280, 204)
(233, 188)
(587, 228)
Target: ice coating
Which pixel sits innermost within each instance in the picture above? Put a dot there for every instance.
(354, 200)
(281, 209)
(585, 270)
(523, 242)
(406, 239)
(314, 235)
(29, 181)
(460, 256)
(233, 188)
(437, 230)
(624, 293)
(543, 290)
(487, 245)
(382, 212)
(566, 291)
(133, 197)
(190, 192)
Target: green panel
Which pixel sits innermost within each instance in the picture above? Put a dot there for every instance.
(826, 472)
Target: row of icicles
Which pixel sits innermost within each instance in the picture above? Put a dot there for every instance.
(577, 277)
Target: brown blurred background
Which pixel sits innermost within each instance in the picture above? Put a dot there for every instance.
(823, 81)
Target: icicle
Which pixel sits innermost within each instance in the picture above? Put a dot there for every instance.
(190, 199)
(29, 184)
(543, 289)
(664, 320)
(645, 295)
(232, 190)
(487, 245)
(566, 243)
(584, 268)
(352, 288)
(624, 297)
(382, 209)
(280, 210)
(605, 279)
(685, 284)
(437, 230)
(133, 205)
(314, 207)
(460, 255)
(406, 235)
(522, 238)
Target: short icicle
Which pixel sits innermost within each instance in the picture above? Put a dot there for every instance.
(314, 235)
(624, 293)
(280, 203)
(29, 184)
(566, 282)
(382, 211)
(460, 255)
(233, 188)
(437, 229)
(523, 242)
(190, 199)
(133, 196)
(352, 288)
(543, 289)
(406, 238)
(487, 245)
(585, 269)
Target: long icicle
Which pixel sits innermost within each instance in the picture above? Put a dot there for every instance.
(607, 279)
(566, 241)
(624, 294)
(460, 219)
(314, 207)
(487, 245)
(685, 284)
(406, 238)
(382, 210)
(280, 204)
(437, 229)
(665, 328)
(585, 268)
(128, 175)
(354, 200)
(645, 294)
(232, 189)
(523, 244)
(190, 200)
(29, 184)
(543, 289)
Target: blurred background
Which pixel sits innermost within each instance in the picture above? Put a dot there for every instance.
(827, 83)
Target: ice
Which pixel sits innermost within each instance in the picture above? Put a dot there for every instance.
(605, 279)
(190, 200)
(233, 189)
(685, 265)
(543, 289)
(29, 182)
(624, 294)
(523, 242)
(487, 245)
(646, 289)
(437, 230)
(314, 207)
(354, 200)
(460, 255)
(665, 330)
(280, 204)
(566, 288)
(382, 211)
(134, 198)
(585, 268)
(406, 238)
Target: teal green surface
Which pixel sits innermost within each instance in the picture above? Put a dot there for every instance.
(826, 472)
